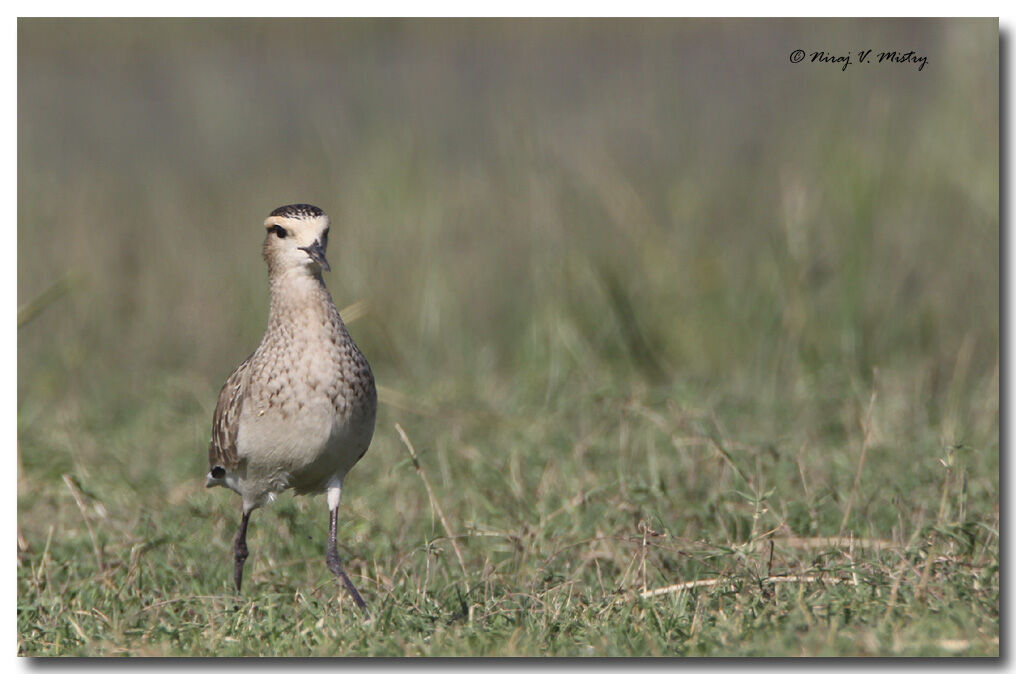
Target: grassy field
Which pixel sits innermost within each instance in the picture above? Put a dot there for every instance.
(698, 348)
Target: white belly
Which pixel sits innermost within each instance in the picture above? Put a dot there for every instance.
(300, 448)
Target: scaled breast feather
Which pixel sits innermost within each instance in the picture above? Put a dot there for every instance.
(226, 420)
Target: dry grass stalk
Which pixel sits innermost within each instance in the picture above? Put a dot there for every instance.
(79, 498)
(709, 582)
(434, 502)
(355, 311)
(867, 429)
(403, 402)
(818, 542)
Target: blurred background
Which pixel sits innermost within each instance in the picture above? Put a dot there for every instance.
(562, 244)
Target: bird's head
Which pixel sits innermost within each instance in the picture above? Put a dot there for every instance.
(296, 239)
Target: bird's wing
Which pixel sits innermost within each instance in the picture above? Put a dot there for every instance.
(226, 420)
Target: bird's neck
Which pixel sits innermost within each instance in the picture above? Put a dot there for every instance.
(295, 293)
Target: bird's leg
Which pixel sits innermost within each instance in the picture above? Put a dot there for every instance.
(240, 550)
(334, 563)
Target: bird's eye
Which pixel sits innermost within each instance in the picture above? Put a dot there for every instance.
(280, 231)
(218, 472)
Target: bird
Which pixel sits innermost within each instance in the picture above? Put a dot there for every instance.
(300, 411)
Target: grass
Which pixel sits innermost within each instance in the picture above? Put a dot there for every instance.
(680, 354)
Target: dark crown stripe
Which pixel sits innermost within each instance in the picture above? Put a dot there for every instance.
(297, 211)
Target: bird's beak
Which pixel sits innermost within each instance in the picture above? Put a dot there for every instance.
(317, 253)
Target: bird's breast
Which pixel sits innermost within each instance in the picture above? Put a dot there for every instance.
(311, 407)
